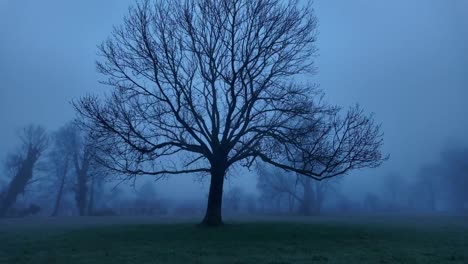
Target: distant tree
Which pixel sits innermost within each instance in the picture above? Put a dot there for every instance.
(233, 199)
(251, 203)
(83, 154)
(371, 202)
(394, 186)
(145, 198)
(114, 197)
(22, 163)
(442, 184)
(425, 191)
(314, 195)
(454, 175)
(299, 190)
(73, 164)
(2, 190)
(276, 185)
(73, 159)
(89, 173)
(96, 179)
(147, 202)
(60, 161)
(201, 86)
(345, 205)
(146, 195)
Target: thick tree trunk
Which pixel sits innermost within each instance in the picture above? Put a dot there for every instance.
(215, 197)
(18, 184)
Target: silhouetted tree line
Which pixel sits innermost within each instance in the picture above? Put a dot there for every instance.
(443, 185)
(59, 173)
(299, 194)
(438, 187)
(55, 164)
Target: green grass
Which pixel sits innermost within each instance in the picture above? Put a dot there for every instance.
(261, 242)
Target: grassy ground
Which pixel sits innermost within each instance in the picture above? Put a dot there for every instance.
(324, 240)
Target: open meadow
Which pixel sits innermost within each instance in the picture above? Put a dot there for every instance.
(352, 239)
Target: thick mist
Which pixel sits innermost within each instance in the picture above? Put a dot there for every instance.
(403, 61)
(233, 131)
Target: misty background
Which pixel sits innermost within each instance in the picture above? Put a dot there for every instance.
(405, 61)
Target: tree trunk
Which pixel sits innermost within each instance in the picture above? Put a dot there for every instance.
(81, 192)
(319, 197)
(308, 200)
(59, 197)
(91, 197)
(18, 184)
(320, 192)
(432, 206)
(215, 197)
(291, 200)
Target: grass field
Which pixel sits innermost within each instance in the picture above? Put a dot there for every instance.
(314, 240)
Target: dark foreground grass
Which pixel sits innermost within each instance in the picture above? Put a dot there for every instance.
(317, 242)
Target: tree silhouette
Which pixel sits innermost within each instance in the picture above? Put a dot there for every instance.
(60, 159)
(200, 86)
(22, 163)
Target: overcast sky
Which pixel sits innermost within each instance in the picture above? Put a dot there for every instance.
(404, 60)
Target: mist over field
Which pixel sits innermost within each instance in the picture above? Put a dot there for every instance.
(315, 119)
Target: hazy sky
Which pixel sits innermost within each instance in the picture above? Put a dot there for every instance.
(404, 60)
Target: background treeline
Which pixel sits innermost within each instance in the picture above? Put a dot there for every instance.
(59, 174)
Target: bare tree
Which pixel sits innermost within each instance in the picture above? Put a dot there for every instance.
(201, 85)
(425, 191)
(83, 158)
(72, 159)
(394, 186)
(314, 195)
(276, 185)
(21, 164)
(301, 192)
(96, 184)
(233, 199)
(442, 185)
(3, 186)
(453, 172)
(60, 159)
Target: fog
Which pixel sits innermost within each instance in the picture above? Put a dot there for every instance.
(404, 61)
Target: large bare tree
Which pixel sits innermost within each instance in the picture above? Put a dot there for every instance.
(202, 85)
